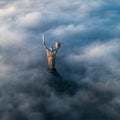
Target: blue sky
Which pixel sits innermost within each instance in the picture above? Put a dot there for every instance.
(89, 32)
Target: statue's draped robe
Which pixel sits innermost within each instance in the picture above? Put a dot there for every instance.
(51, 56)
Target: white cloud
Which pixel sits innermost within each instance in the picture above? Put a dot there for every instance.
(31, 19)
(7, 11)
(98, 52)
(65, 29)
(5, 69)
(10, 36)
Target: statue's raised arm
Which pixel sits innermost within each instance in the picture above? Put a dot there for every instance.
(43, 42)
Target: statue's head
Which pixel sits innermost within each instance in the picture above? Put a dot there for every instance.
(51, 48)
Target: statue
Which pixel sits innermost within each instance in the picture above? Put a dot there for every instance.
(51, 54)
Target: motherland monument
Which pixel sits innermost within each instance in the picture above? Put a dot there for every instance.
(51, 54)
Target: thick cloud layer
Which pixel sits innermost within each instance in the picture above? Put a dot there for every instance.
(88, 60)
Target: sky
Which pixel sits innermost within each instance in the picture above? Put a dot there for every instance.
(88, 61)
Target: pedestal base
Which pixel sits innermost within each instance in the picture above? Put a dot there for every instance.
(52, 71)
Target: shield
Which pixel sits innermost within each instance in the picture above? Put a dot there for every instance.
(57, 45)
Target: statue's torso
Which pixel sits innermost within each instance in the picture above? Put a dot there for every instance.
(51, 54)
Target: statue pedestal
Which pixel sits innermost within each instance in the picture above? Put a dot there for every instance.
(52, 76)
(52, 71)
